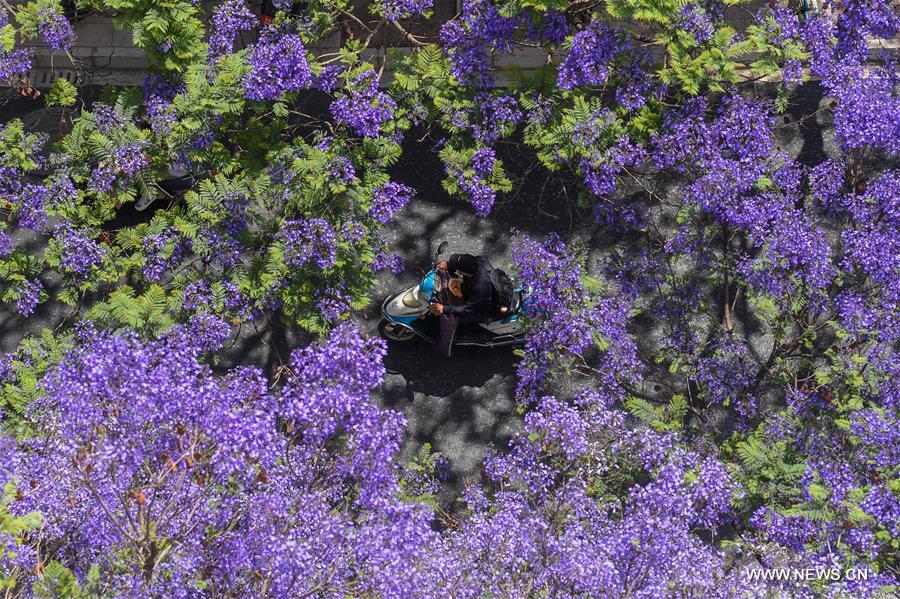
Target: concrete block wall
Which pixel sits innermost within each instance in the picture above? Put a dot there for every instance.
(104, 55)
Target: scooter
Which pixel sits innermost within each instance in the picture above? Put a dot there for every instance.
(406, 315)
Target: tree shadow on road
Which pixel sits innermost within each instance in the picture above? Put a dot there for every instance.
(431, 374)
(461, 406)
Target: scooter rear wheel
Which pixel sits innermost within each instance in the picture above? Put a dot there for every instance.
(393, 331)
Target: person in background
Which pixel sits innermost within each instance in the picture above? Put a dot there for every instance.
(477, 295)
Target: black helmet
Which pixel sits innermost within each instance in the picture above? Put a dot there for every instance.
(463, 262)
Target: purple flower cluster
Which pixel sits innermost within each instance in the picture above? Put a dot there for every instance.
(129, 159)
(553, 27)
(364, 108)
(860, 20)
(499, 116)
(483, 161)
(734, 153)
(389, 199)
(540, 111)
(695, 21)
(15, 64)
(107, 118)
(241, 481)
(308, 240)
(342, 169)
(278, 65)
(388, 260)
(642, 540)
(55, 28)
(867, 100)
(593, 49)
(29, 294)
(792, 73)
(33, 200)
(468, 38)
(725, 372)
(766, 288)
(197, 296)
(475, 183)
(158, 95)
(394, 10)
(333, 302)
(7, 244)
(601, 171)
(327, 79)
(162, 251)
(570, 318)
(353, 231)
(229, 19)
(78, 252)
(480, 194)
(868, 112)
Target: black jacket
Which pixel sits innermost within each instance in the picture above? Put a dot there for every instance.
(478, 292)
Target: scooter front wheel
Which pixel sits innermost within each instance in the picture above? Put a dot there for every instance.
(394, 331)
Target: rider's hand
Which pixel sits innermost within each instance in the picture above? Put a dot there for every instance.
(437, 309)
(442, 265)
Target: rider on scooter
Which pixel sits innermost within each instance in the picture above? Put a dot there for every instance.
(476, 291)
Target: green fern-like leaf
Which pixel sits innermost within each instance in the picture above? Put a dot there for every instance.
(752, 453)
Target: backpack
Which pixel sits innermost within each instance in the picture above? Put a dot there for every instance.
(502, 292)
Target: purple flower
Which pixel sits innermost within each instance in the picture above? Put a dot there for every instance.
(162, 251)
(278, 65)
(353, 231)
(158, 95)
(483, 161)
(327, 79)
(394, 10)
(332, 302)
(56, 29)
(29, 294)
(33, 200)
(229, 19)
(695, 21)
(129, 159)
(390, 261)
(588, 60)
(467, 38)
(553, 27)
(197, 296)
(479, 192)
(78, 252)
(15, 64)
(342, 169)
(308, 240)
(792, 73)
(364, 109)
(7, 244)
(499, 117)
(107, 118)
(389, 199)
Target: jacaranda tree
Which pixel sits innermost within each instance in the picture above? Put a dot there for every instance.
(716, 393)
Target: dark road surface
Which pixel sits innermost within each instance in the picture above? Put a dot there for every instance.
(465, 404)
